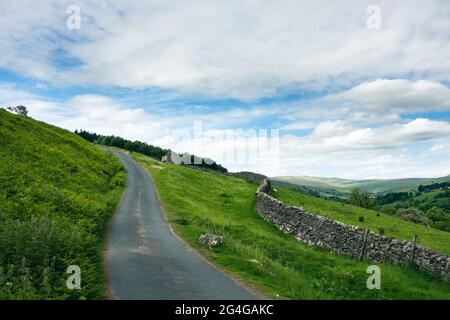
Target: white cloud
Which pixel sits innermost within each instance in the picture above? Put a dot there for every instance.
(341, 136)
(241, 49)
(299, 125)
(335, 149)
(231, 118)
(94, 113)
(356, 164)
(9, 93)
(373, 103)
(398, 95)
(103, 115)
(329, 129)
(439, 148)
(340, 148)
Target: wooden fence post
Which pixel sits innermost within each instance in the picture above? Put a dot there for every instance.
(414, 248)
(364, 244)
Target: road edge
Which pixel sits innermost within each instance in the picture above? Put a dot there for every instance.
(109, 294)
(236, 279)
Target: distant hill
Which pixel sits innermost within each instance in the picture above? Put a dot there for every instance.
(422, 200)
(316, 191)
(57, 194)
(344, 186)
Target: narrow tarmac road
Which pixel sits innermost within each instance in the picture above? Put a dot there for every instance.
(144, 260)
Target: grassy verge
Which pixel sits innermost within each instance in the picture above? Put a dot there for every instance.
(197, 202)
(377, 222)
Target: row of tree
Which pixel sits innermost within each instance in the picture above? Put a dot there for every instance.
(393, 197)
(144, 148)
(434, 186)
(119, 142)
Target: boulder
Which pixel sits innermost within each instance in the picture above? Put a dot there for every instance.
(210, 240)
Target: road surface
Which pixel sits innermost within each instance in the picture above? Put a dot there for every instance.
(145, 260)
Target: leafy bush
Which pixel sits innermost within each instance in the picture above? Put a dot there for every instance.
(413, 215)
(362, 199)
(440, 218)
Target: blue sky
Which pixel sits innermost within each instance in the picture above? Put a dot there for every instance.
(337, 96)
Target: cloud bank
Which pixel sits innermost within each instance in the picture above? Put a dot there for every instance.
(230, 49)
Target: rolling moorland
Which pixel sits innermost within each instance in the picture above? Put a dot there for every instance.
(199, 201)
(345, 186)
(428, 205)
(422, 201)
(57, 194)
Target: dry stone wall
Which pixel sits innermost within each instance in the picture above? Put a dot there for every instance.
(346, 239)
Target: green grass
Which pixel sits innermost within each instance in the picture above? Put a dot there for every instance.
(57, 194)
(434, 239)
(197, 202)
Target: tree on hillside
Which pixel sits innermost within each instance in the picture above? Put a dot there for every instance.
(440, 218)
(393, 197)
(91, 137)
(361, 198)
(21, 110)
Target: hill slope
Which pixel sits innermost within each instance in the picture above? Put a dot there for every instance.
(198, 202)
(57, 193)
(344, 186)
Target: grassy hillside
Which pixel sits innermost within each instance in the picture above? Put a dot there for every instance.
(198, 202)
(57, 193)
(425, 201)
(430, 207)
(344, 186)
(320, 192)
(375, 221)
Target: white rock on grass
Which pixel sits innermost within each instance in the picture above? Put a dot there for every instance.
(210, 240)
